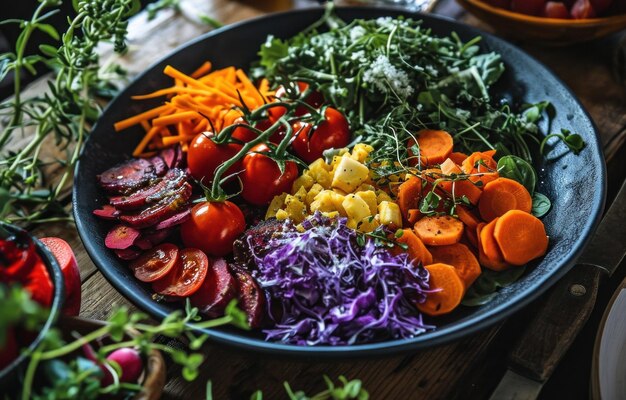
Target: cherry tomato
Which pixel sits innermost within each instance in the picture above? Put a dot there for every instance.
(531, 7)
(315, 99)
(262, 179)
(186, 276)
(205, 156)
(333, 132)
(213, 227)
(155, 263)
(247, 135)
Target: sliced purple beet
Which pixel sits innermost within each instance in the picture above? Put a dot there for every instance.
(217, 290)
(159, 165)
(143, 243)
(251, 297)
(169, 156)
(179, 160)
(107, 212)
(161, 188)
(128, 254)
(174, 220)
(160, 211)
(126, 177)
(157, 237)
(121, 237)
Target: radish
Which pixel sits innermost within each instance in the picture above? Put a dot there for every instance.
(130, 363)
(71, 273)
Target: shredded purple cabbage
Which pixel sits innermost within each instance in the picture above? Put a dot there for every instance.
(325, 288)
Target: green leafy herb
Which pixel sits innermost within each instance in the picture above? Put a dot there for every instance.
(63, 114)
(541, 205)
(515, 168)
(573, 141)
(484, 289)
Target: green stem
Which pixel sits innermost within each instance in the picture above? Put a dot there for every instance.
(29, 376)
(48, 355)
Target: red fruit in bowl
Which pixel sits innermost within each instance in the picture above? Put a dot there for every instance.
(130, 363)
(555, 9)
(530, 7)
(500, 3)
(583, 9)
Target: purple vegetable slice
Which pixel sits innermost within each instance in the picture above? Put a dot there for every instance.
(128, 254)
(159, 165)
(121, 237)
(127, 177)
(160, 211)
(107, 212)
(217, 290)
(251, 297)
(174, 220)
(158, 190)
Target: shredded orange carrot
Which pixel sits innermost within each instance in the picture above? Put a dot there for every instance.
(204, 99)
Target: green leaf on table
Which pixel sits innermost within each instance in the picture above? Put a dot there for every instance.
(519, 170)
(541, 205)
(484, 289)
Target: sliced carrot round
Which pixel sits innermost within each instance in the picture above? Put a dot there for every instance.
(460, 187)
(481, 166)
(439, 230)
(434, 147)
(502, 195)
(409, 195)
(415, 247)
(457, 157)
(448, 290)
(461, 258)
(521, 237)
(467, 217)
(494, 261)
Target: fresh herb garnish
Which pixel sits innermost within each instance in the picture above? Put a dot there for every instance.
(64, 112)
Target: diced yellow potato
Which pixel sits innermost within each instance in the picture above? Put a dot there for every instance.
(301, 194)
(338, 199)
(349, 174)
(331, 214)
(369, 197)
(364, 187)
(382, 196)
(282, 215)
(361, 151)
(352, 224)
(276, 204)
(368, 224)
(323, 202)
(321, 176)
(390, 214)
(356, 208)
(295, 209)
(314, 191)
(304, 181)
(319, 164)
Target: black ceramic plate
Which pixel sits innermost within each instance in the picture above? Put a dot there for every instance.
(576, 184)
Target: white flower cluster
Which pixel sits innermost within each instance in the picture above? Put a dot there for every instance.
(385, 77)
(357, 32)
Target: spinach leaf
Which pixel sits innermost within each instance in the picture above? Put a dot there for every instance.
(541, 205)
(484, 289)
(515, 168)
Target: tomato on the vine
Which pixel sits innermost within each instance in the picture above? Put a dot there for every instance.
(244, 134)
(185, 278)
(205, 156)
(213, 227)
(333, 132)
(261, 177)
(315, 100)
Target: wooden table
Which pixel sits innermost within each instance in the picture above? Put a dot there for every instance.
(466, 369)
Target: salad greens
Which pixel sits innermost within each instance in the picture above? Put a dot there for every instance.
(393, 77)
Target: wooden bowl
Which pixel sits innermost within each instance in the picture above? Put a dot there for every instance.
(546, 31)
(154, 375)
